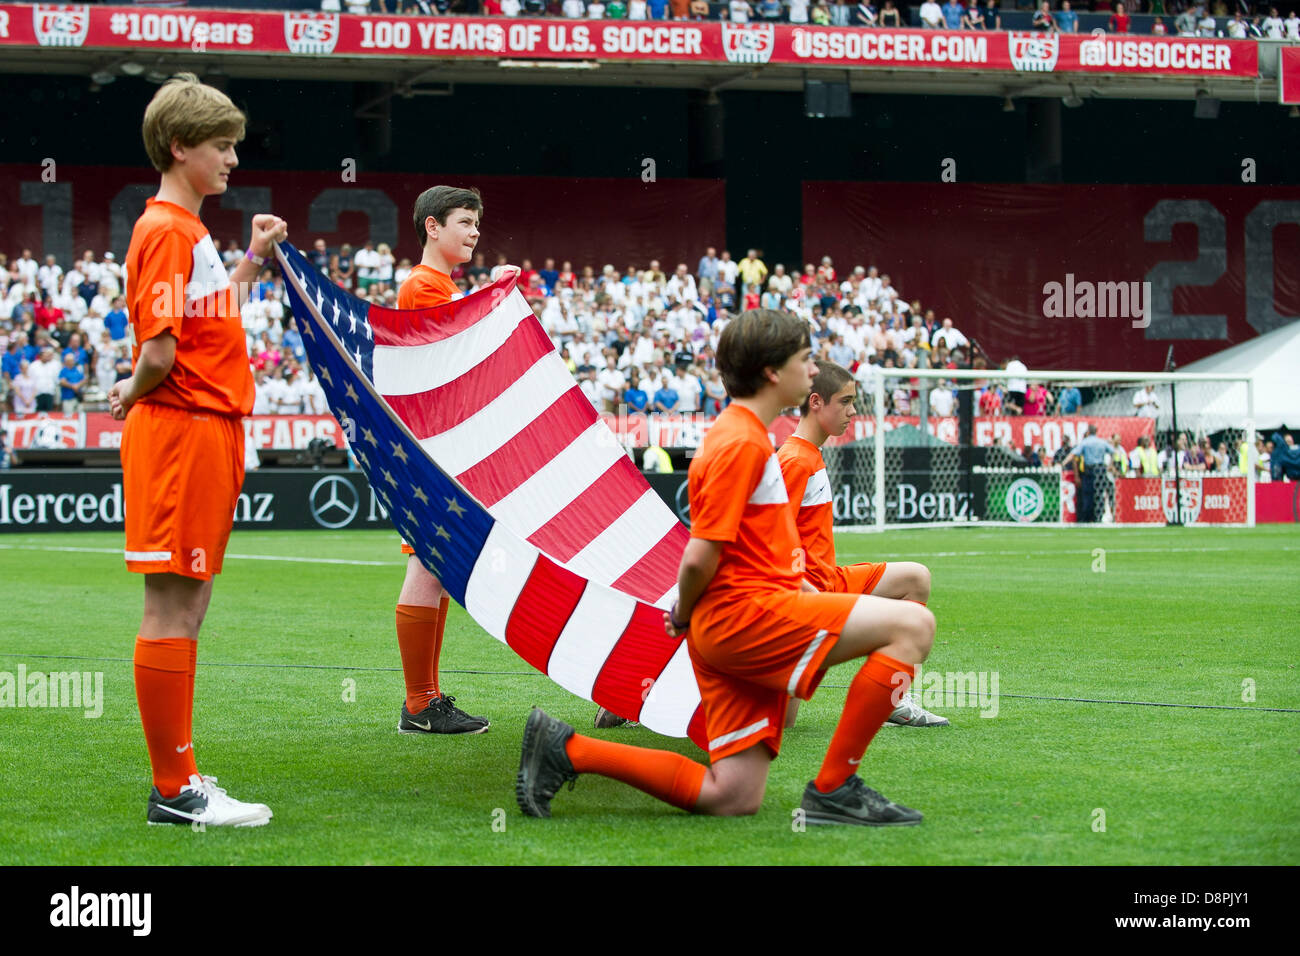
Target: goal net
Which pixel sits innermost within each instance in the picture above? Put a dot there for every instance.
(954, 447)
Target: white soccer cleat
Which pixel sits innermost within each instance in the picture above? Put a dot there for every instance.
(911, 714)
(202, 801)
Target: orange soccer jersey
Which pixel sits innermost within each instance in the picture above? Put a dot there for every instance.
(809, 490)
(425, 288)
(183, 442)
(176, 283)
(755, 637)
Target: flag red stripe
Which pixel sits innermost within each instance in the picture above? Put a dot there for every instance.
(583, 519)
(646, 579)
(535, 444)
(541, 611)
(639, 657)
(439, 409)
(422, 326)
(696, 730)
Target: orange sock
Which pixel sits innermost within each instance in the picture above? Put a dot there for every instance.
(417, 639)
(163, 691)
(443, 606)
(870, 700)
(189, 706)
(670, 777)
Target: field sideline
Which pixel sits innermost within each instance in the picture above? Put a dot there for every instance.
(1168, 616)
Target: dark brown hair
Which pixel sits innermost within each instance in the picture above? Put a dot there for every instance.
(438, 201)
(756, 340)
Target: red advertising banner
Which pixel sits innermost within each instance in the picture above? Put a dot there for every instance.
(1277, 502)
(306, 33)
(1288, 75)
(526, 217)
(44, 430)
(262, 431)
(1074, 277)
(686, 431)
(1205, 500)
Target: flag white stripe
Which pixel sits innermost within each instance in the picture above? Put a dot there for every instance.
(626, 541)
(498, 578)
(409, 370)
(460, 448)
(673, 698)
(590, 635)
(547, 491)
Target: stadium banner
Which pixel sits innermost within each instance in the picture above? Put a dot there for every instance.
(912, 499)
(308, 33)
(1276, 502)
(295, 432)
(264, 432)
(95, 207)
(278, 499)
(1205, 500)
(44, 430)
(1288, 75)
(1025, 496)
(1080, 276)
(687, 431)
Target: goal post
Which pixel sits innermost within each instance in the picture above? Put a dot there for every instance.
(936, 447)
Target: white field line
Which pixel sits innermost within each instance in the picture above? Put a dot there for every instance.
(244, 557)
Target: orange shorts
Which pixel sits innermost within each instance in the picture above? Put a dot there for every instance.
(752, 654)
(858, 578)
(181, 475)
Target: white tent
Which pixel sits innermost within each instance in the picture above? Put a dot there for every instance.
(1274, 359)
(1205, 407)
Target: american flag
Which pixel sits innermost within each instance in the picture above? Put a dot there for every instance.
(496, 469)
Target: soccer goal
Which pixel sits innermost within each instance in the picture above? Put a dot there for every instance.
(943, 447)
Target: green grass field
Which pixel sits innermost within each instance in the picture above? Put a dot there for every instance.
(1177, 616)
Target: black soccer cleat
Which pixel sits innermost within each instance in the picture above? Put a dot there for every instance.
(605, 719)
(442, 716)
(544, 767)
(854, 803)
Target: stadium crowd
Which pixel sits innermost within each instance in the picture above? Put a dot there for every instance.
(1239, 19)
(640, 340)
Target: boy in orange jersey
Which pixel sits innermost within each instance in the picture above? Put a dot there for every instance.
(447, 221)
(183, 442)
(826, 412)
(757, 633)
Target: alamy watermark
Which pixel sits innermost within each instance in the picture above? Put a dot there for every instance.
(938, 690)
(67, 689)
(1098, 300)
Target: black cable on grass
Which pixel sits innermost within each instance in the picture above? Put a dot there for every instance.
(444, 670)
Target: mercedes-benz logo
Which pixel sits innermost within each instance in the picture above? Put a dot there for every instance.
(683, 502)
(333, 502)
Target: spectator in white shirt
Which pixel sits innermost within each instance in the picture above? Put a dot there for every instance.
(636, 10)
(574, 9)
(942, 400)
(1016, 386)
(1237, 28)
(511, 8)
(1207, 25)
(740, 11)
(261, 393)
(948, 336)
(1273, 26)
(48, 276)
(313, 394)
(931, 16)
(798, 11)
(1293, 26)
(27, 267)
(1146, 403)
